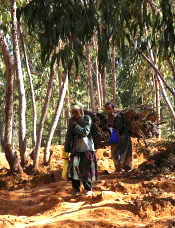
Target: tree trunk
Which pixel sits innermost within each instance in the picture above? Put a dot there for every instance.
(1, 135)
(104, 87)
(91, 89)
(97, 73)
(156, 70)
(114, 75)
(55, 120)
(60, 91)
(22, 99)
(67, 111)
(31, 87)
(157, 93)
(166, 98)
(8, 138)
(144, 100)
(160, 80)
(60, 71)
(101, 89)
(43, 116)
(172, 67)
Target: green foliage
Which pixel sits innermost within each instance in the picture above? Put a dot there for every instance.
(65, 20)
(119, 21)
(74, 22)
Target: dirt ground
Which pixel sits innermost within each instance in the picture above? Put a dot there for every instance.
(145, 197)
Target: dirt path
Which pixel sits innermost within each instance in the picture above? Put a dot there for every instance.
(119, 200)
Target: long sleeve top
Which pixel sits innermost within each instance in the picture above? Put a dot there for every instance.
(78, 138)
(120, 125)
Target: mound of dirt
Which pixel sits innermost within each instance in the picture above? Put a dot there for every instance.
(144, 197)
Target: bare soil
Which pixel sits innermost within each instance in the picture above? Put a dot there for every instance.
(144, 197)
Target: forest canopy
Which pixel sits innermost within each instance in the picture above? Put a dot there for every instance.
(90, 51)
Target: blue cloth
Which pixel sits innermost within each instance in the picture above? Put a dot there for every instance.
(122, 153)
(114, 138)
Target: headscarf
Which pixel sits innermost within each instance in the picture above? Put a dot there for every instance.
(74, 106)
(77, 105)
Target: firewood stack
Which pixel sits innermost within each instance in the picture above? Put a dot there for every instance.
(142, 121)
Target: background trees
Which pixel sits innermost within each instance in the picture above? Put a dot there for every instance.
(121, 51)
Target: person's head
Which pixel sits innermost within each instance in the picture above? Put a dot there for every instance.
(109, 108)
(76, 111)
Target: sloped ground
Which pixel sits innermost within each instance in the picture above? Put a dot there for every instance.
(145, 197)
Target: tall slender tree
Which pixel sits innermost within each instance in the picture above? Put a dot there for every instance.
(8, 136)
(31, 86)
(43, 116)
(21, 89)
(114, 75)
(97, 73)
(55, 119)
(91, 88)
(104, 83)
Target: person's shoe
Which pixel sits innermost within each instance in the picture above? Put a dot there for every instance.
(127, 169)
(75, 192)
(89, 193)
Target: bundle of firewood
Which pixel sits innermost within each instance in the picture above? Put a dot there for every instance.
(141, 120)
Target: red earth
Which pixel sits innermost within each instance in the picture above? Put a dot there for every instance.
(141, 198)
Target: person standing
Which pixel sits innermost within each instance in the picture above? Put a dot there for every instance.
(121, 153)
(80, 145)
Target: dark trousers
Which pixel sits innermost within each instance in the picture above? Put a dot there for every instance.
(76, 185)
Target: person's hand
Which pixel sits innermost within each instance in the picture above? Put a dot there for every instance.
(72, 122)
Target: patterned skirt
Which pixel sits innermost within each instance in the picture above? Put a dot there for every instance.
(83, 166)
(122, 154)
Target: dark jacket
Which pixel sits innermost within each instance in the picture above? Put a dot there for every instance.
(120, 125)
(78, 138)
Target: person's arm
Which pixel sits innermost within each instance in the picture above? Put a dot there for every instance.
(118, 123)
(68, 140)
(121, 126)
(85, 130)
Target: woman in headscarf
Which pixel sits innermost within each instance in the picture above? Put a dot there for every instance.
(80, 145)
(121, 153)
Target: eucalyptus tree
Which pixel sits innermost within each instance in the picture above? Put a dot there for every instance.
(31, 84)
(8, 136)
(91, 87)
(55, 119)
(97, 74)
(127, 21)
(11, 68)
(20, 83)
(122, 22)
(44, 112)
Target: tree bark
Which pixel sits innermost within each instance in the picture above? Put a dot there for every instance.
(22, 99)
(166, 98)
(97, 73)
(156, 70)
(144, 100)
(91, 89)
(66, 110)
(172, 67)
(31, 87)
(1, 134)
(114, 75)
(104, 87)
(160, 80)
(43, 116)
(157, 95)
(60, 91)
(8, 137)
(55, 120)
